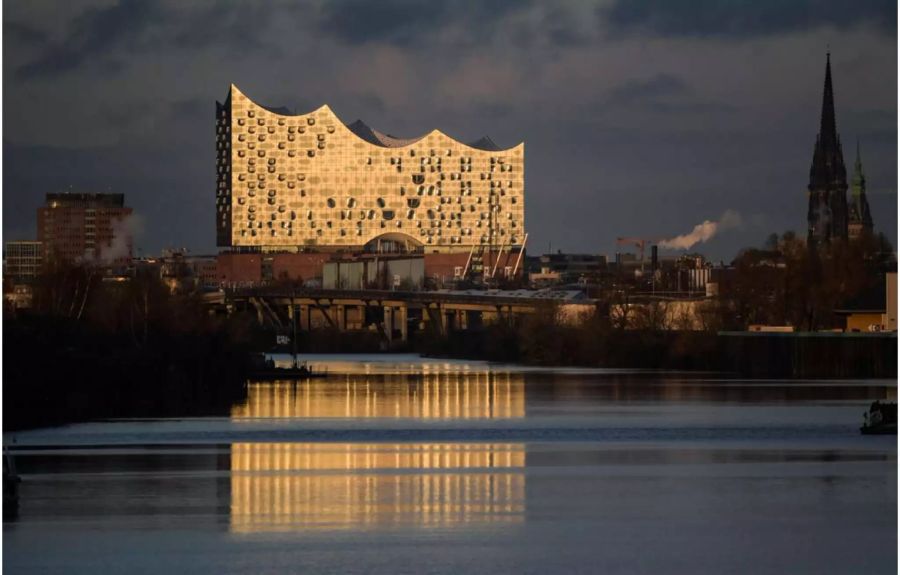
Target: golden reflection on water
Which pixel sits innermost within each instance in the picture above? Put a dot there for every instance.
(458, 395)
(302, 486)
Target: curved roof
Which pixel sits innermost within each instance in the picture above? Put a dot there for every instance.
(377, 138)
(368, 134)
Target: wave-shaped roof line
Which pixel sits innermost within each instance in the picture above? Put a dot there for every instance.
(280, 110)
(371, 135)
(485, 143)
(377, 138)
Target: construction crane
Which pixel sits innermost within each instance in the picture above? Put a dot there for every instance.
(639, 243)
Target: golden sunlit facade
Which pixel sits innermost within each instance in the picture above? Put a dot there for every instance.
(290, 182)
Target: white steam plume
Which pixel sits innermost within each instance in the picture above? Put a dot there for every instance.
(703, 232)
(123, 232)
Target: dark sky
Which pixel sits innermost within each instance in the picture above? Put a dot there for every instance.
(640, 117)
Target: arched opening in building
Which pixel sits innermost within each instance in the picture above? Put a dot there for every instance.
(393, 243)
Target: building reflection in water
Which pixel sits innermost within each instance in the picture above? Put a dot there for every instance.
(299, 486)
(455, 395)
(303, 486)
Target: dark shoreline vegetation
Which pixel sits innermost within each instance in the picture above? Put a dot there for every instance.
(92, 349)
(543, 339)
(56, 372)
(752, 355)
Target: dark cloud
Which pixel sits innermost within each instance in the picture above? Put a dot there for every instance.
(405, 22)
(94, 34)
(559, 26)
(733, 19)
(20, 34)
(397, 21)
(369, 102)
(662, 93)
(659, 86)
(189, 108)
(107, 36)
(235, 25)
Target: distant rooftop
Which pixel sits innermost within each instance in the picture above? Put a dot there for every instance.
(547, 294)
(82, 199)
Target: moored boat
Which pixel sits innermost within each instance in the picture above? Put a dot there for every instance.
(881, 419)
(267, 369)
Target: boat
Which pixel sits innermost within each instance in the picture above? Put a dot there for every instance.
(268, 370)
(881, 419)
(265, 369)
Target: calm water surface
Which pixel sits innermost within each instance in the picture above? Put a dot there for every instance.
(396, 464)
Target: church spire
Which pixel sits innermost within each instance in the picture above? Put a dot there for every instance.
(827, 215)
(828, 160)
(860, 217)
(828, 126)
(858, 182)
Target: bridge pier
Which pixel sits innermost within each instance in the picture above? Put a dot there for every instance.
(404, 322)
(341, 320)
(305, 323)
(389, 323)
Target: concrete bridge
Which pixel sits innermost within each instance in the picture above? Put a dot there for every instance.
(394, 313)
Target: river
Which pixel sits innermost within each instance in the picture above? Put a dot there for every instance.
(398, 464)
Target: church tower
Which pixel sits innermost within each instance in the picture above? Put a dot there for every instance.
(860, 217)
(827, 216)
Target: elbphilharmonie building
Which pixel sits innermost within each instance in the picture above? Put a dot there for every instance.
(301, 182)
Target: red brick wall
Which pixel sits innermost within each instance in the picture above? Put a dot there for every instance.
(298, 266)
(442, 265)
(239, 268)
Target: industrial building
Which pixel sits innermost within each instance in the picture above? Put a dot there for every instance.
(22, 260)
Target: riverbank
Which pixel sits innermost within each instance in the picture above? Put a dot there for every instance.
(58, 371)
(744, 354)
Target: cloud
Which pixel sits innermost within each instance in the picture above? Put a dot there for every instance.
(19, 33)
(396, 21)
(93, 34)
(563, 28)
(405, 22)
(127, 28)
(736, 19)
(663, 93)
(659, 86)
(238, 27)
